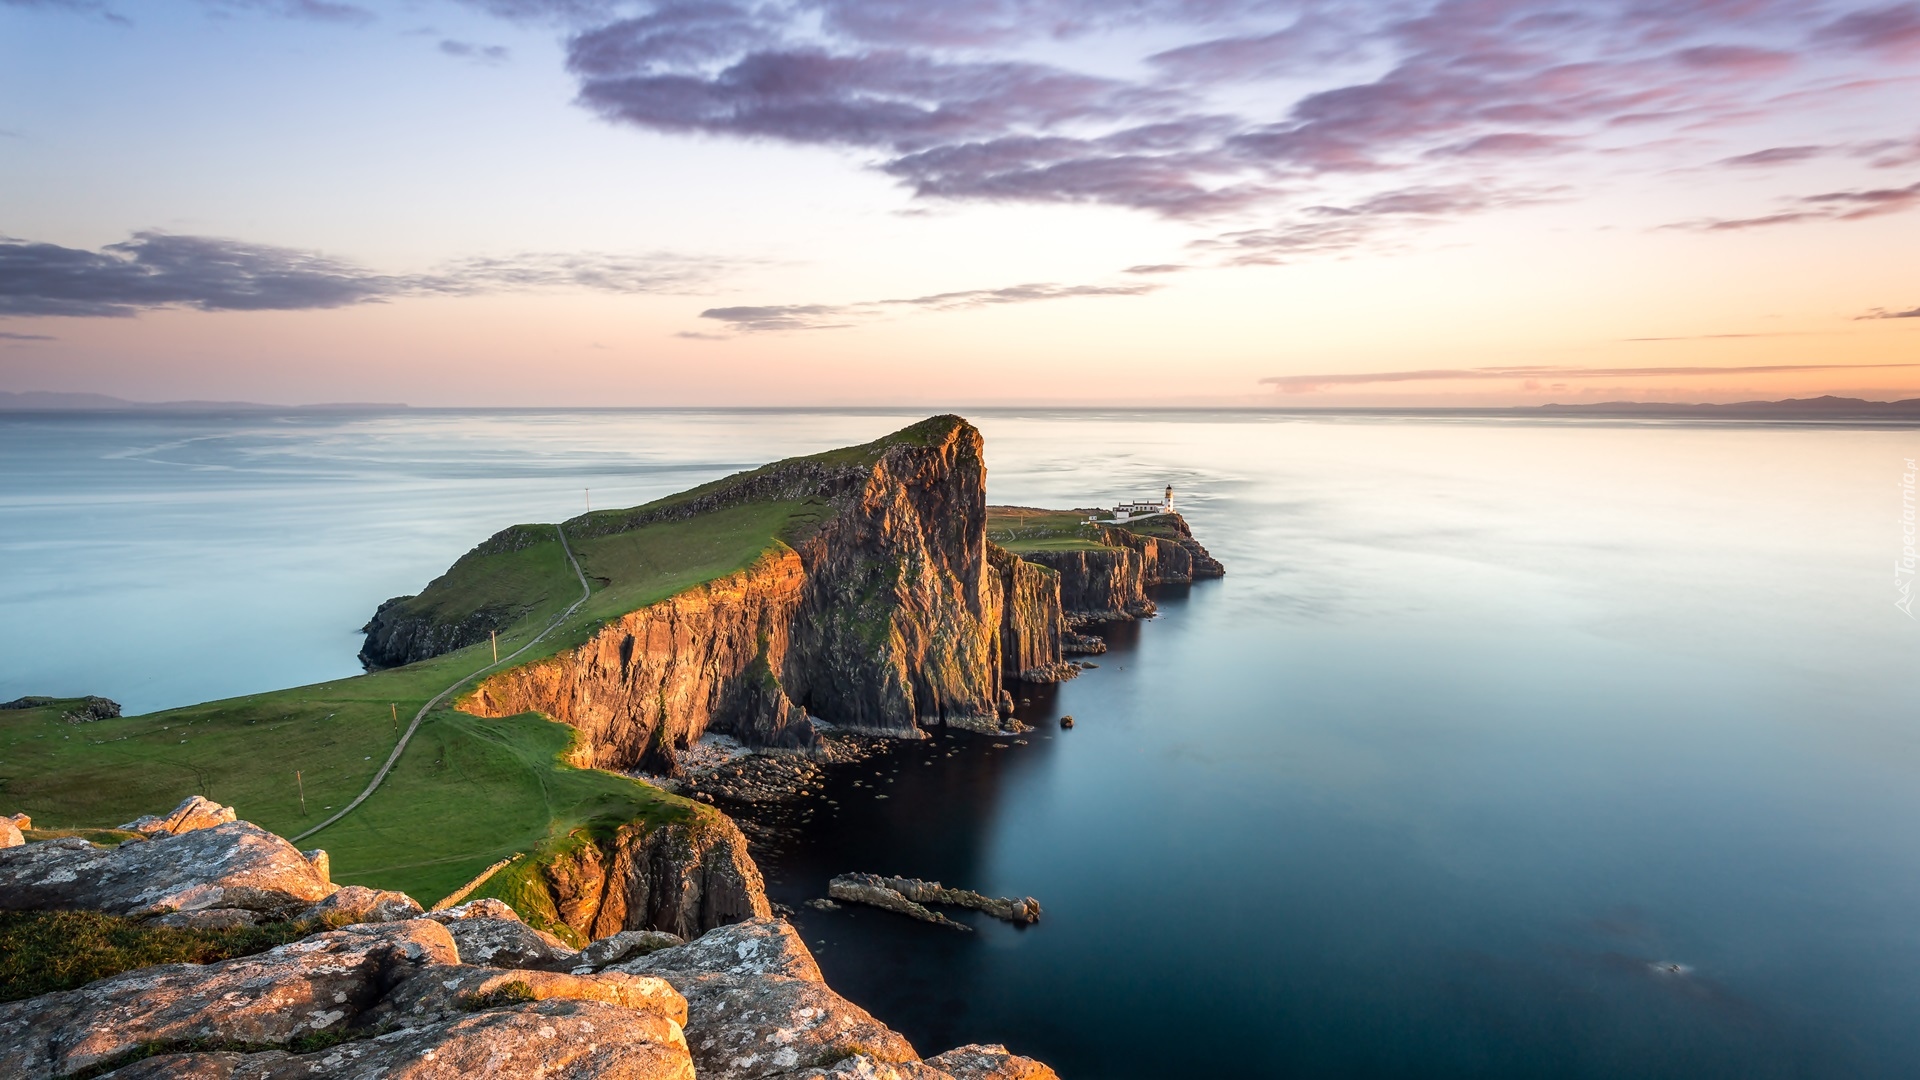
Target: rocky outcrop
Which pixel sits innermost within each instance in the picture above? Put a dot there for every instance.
(393, 1000)
(855, 890)
(235, 866)
(195, 812)
(1110, 583)
(359, 904)
(553, 1040)
(10, 834)
(990, 1062)
(757, 1008)
(907, 895)
(684, 878)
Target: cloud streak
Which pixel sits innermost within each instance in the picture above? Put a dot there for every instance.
(778, 318)
(162, 270)
(1305, 384)
(1831, 206)
(1883, 313)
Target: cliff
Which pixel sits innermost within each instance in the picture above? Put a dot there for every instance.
(684, 878)
(885, 611)
(871, 599)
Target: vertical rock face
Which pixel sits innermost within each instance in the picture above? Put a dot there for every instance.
(900, 621)
(684, 878)
(1030, 620)
(889, 615)
(662, 675)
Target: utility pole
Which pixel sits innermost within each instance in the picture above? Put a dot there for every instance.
(494, 636)
(589, 497)
(303, 792)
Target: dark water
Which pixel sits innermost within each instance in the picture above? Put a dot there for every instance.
(1504, 750)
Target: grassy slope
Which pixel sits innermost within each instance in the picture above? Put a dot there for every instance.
(467, 792)
(1020, 529)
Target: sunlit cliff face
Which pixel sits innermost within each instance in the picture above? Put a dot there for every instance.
(518, 202)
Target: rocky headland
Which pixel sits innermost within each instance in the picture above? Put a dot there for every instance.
(889, 610)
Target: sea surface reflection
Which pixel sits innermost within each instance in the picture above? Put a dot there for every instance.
(1504, 750)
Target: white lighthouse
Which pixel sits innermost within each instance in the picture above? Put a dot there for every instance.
(1167, 507)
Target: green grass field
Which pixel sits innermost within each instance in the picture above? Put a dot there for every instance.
(468, 791)
(1020, 528)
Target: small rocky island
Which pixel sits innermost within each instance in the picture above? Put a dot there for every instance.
(807, 612)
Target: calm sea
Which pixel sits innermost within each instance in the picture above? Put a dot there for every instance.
(1506, 749)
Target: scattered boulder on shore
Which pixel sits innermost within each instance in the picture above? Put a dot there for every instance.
(907, 895)
(10, 834)
(193, 813)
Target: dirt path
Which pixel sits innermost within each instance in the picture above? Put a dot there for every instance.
(400, 747)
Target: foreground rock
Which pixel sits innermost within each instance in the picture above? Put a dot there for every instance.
(553, 1040)
(396, 993)
(391, 1000)
(490, 933)
(231, 866)
(906, 895)
(758, 1007)
(359, 904)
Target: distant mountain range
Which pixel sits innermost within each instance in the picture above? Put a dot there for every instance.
(54, 401)
(1819, 408)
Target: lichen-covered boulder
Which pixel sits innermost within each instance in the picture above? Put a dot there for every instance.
(359, 904)
(754, 947)
(233, 865)
(758, 1007)
(510, 943)
(455, 991)
(484, 908)
(319, 984)
(990, 1062)
(193, 813)
(862, 1067)
(551, 1040)
(625, 945)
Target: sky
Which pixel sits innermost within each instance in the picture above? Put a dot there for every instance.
(840, 202)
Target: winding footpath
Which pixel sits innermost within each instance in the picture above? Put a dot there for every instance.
(401, 746)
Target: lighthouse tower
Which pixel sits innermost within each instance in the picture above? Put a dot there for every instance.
(1167, 507)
